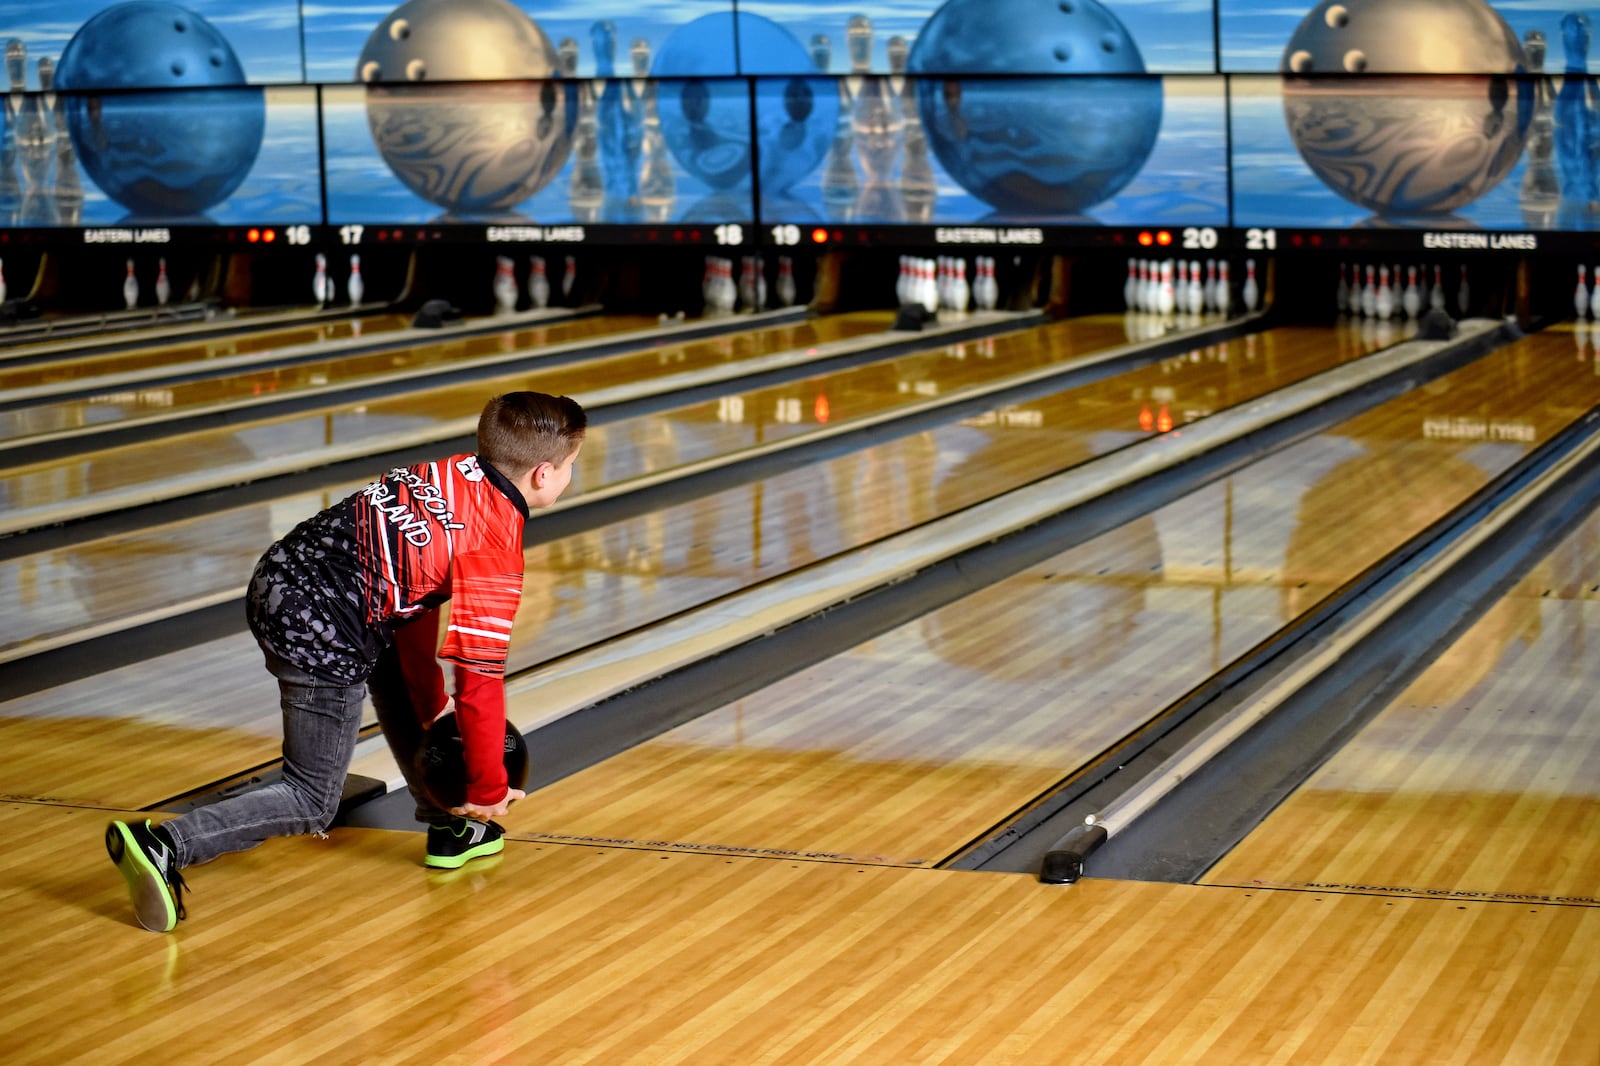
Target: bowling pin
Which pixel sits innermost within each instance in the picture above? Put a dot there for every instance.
(960, 290)
(1342, 297)
(1580, 298)
(1211, 285)
(786, 289)
(747, 283)
(1594, 297)
(130, 288)
(1252, 291)
(569, 278)
(1197, 291)
(1224, 288)
(1464, 293)
(355, 286)
(1384, 301)
(1436, 294)
(505, 286)
(2, 282)
(1369, 294)
(1411, 302)
(760, 282)
(1166, 299)
(538, 282)
(1130, 287)
(319, 280)
(163, 286)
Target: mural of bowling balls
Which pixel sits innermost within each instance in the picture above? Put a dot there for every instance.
(1035, 146)
(1406, 147)
(473, 150)
(707, 126)
(180, 148)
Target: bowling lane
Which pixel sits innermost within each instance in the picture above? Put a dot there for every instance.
(113, 478)
(1481, 779)
(131, 402)
(607, 581)
(908, 747)
(78, 590)
(68, 365)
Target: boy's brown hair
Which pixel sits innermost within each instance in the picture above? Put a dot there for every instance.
(520, 430)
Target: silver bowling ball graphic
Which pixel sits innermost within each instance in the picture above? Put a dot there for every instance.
(472, 149)
(1406, 148)
(1403, 37)
(1031, 146)
(184, 146)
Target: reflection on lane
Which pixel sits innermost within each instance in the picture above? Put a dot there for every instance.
(69, 367)
(910, 745)
(1479, 779)
(127, 575)
(379, 423)
(133, 401)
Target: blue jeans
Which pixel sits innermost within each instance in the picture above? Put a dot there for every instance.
(320, 725)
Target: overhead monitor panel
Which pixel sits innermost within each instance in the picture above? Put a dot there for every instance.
(984, 37)
(161, 166)
(1406, 37)
(150, 44)
(1375, 155)
(1018, 153)
(562, 161)
(497, 40)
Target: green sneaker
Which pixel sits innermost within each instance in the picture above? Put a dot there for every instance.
(461, 840)
(151, 870)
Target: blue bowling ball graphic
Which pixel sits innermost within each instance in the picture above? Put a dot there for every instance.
(1045, 146)
(188, 139)
(706, 121)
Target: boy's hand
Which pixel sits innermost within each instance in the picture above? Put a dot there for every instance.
(483, 814)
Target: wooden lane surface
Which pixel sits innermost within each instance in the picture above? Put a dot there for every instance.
(306, 950)
(598, 584)
(82, 587)
(70, 366)
(1482, 778)
(133, 401)
(121, 473)
(911, 745)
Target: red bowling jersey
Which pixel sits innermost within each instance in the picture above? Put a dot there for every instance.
(374, 568)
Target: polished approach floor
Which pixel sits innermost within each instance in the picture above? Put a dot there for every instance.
(762, 884)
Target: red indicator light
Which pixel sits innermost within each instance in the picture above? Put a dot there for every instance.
(269, 235)
(819, 236)
(1147, 421)
(1163, 237)
(1146, 239)
(1164, 419)
(821, 409)
(252, 235)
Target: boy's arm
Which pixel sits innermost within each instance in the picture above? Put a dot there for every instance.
(481, 713)
(486, 590)
(416, 643)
